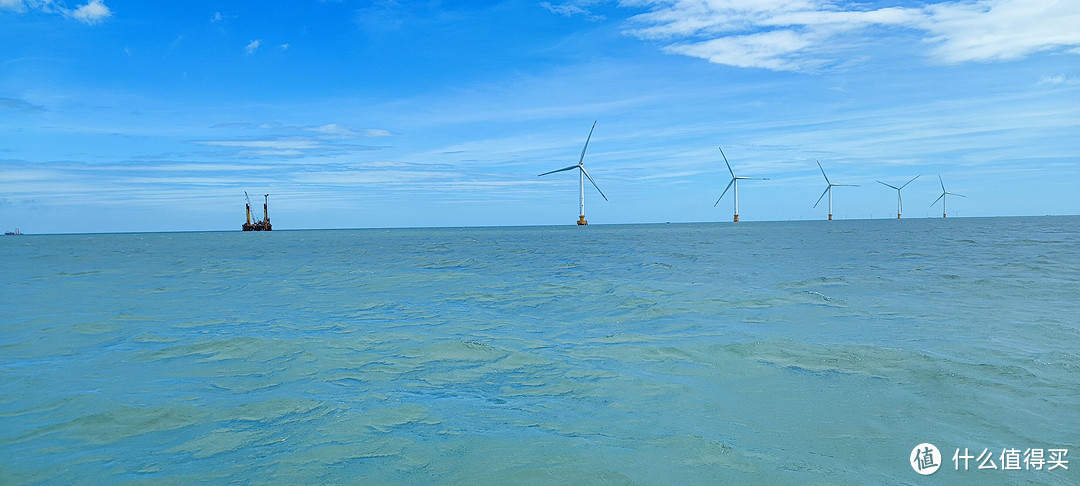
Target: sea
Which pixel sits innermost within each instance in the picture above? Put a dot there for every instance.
(802, 352)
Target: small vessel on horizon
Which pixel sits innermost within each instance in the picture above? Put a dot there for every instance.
(262, 225)
(13, 233)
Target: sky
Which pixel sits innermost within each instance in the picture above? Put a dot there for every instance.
(120, 116)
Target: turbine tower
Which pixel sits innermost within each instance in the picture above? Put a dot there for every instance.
(942, 197)
(828, 189)
(899, 203)
(734, 182)
(582, 175)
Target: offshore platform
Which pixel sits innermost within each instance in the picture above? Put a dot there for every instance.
(261, 225)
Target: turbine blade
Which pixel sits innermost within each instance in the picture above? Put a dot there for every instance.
(723, 193)
(583, 171)
(560, 170)
(909, 182)
(827, 181)
(754, 178)
(582, 159)
(942, 183)
(892, 186)
(827, 189)
(955, 194)
(938, 198)
(726, 162)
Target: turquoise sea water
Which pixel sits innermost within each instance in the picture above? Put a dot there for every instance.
(753, 353)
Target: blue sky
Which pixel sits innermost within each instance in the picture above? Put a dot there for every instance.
(157, 116)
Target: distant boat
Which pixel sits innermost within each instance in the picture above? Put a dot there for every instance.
(13, 233)
(262, 225)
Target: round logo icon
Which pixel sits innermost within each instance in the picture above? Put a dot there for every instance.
(925, 459)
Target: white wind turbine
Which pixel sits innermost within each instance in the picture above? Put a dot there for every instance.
(942, 196)
(582, 175)
(734, 182)
(828, 190)
(899, 203)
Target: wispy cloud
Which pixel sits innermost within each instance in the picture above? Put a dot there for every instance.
(252, 46)
(264, 144)
(326, 131)
(90, 13)
(339, 131)
(792, 35)
(285, 148)
(19, 105)
(1000, 30)
(278, 141)
(573, 8)
(1059, 79)
(769, 50)
(13, 5)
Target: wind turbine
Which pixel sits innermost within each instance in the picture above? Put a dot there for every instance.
(942, 196)
(581, 166)
(828, 190)
(899, 203)
(734, 182)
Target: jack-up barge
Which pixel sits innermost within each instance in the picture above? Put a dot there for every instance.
(262, 225)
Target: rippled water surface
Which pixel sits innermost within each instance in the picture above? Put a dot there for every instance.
(789, 352)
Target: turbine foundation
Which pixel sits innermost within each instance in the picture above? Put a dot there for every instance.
(897, 215)
(736, 218)
(830, 216)
(581, 221)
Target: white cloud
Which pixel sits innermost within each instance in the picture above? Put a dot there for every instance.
(333, 129)
(769, 50)
(572, 8)
(337, 131)
(16, 5)
(796, 34)
(1059, 79)
(377, 132)
(252, 46)
(216, 17)
(329, 132)
(780, 35)
(1001, 30)
(265, 144)
(92, 12)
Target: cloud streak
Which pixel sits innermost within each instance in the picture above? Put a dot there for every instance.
(19, 105)
(796, 35)
(93, 12)
(290, 142)
(570, 9)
